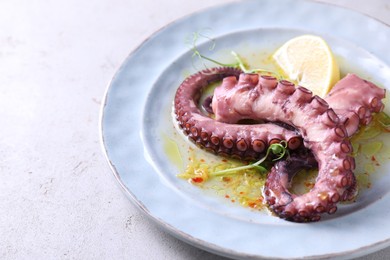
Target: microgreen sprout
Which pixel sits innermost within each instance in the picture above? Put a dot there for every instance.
(240, 64)
(277, 149)
(239, 61)
(196, 52)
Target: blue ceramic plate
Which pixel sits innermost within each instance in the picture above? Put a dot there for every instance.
(136, 118)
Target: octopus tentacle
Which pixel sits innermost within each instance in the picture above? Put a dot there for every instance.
(242, 141)
(279, 180)
(323, 133)
(357, 108)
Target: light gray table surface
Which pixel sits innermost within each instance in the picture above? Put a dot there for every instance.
(58, 197)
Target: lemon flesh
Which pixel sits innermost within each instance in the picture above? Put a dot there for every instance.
(308, 61)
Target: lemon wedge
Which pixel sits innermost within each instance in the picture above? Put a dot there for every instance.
(308, 61)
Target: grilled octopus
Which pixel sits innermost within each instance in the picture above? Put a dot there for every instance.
(316, 130)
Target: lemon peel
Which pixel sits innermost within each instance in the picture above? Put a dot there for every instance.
(308, 61)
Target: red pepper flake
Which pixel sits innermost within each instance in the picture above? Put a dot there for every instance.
(197, 179)
(233, 201)
(309, 184)
(227, 196)
(375, 161)
(224, 160)
(202, 160)
(226, 179)
(252, 204)
(241, 192)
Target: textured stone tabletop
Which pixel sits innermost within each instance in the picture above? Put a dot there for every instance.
(58, 197)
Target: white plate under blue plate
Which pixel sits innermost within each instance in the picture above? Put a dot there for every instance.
(137, 107)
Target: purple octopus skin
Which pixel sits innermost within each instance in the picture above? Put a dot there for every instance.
(279, 180)
(353, 110)
(280, 177)
(248, 142)
(263, 97)
(355, 100)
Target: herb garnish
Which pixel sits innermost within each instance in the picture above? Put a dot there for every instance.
(278, 149)
(239, 64)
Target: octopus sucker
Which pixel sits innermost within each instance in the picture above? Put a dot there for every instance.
(258, 145)
(227, 142)
(317, 127)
